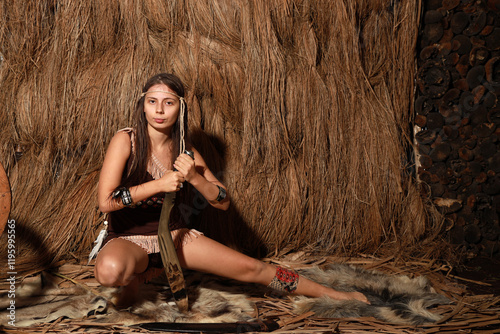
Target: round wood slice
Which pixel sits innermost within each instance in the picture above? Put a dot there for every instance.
(5, 198)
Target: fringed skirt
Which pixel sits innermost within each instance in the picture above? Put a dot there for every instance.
(151, 246)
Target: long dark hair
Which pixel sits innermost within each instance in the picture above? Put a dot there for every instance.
(137, 167)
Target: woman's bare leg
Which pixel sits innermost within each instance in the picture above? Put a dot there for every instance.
(206, 255)
(117, 264)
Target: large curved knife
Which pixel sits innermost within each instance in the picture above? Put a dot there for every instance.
(168, 253)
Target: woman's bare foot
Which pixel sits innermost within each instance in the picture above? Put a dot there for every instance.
(349, 296)
(127, 295)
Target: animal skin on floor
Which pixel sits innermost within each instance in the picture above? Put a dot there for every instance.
(211, 301)
(394, 299)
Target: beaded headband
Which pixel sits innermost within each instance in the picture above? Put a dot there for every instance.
(162, 91)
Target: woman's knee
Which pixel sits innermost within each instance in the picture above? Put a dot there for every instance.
(110, 271)
(118, 262)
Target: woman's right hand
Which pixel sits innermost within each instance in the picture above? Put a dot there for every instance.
(171, 181)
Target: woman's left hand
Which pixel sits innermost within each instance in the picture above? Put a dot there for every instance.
(186, 166)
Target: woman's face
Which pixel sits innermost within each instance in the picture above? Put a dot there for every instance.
(161, 108)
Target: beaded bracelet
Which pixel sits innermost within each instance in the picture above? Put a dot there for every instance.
(124, 194)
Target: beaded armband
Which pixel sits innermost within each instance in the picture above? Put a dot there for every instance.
(285, 280)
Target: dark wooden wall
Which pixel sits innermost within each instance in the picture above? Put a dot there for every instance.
(457, 118)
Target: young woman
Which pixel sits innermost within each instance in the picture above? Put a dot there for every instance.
(143, 163)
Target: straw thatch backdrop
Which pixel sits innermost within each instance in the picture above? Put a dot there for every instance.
(302, 108)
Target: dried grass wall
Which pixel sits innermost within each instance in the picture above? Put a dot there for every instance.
(304, 106)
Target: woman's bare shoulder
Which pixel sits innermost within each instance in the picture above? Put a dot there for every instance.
(120, 142)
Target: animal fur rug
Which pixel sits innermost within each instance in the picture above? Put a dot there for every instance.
(394, 299)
